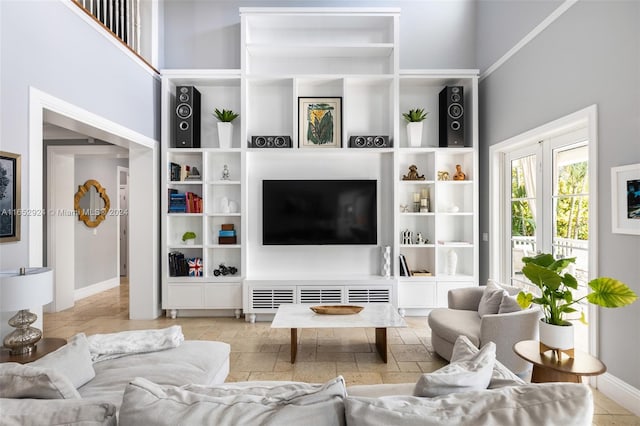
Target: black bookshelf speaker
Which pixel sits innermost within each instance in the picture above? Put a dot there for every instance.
(451, 123)
(187, 134)
(369, 142)
(270, 142)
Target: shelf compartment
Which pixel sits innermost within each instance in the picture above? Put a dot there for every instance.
(271, 110)
(215, 162)
(178, 224)
(215, 199)
(454, 197)
(230, 256)
(419, 258)
(213, 225)
(464, 264)
(418, 223)
(454, 228)
(424, 161)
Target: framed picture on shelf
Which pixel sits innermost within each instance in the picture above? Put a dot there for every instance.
(625, 199)
(319, 122)
(9, 197)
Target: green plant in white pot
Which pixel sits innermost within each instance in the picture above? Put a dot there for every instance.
(415, 117)
(225, 127)
(557, 300)
(189, 238)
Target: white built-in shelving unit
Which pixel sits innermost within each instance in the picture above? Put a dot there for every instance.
(352, 53)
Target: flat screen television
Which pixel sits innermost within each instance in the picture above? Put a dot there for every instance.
(319, 212)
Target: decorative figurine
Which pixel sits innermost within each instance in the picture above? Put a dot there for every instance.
(225, 173)
(443, 175)
(413, 174)
(407, 237)
(404, 208)
(420, 239)
(459, 175)
(225, 270)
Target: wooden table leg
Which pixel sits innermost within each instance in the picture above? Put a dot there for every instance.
(546, 375)
(381, 343)
(294, 344)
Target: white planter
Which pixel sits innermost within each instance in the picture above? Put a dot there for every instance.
(190, 241)
(414, 133)
(556, 336)
(225, 133)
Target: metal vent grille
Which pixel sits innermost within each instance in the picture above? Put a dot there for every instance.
(369, 295)
(320, 295)
(264, 298)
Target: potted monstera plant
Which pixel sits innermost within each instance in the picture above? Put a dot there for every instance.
(225, 127)
(415, 117)
(557, 298)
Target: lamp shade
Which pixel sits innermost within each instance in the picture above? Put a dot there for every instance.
(33, 288)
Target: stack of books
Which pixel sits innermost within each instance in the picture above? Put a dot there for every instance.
(179, 173)
(178, 265)
(187, 202)
(227, 234)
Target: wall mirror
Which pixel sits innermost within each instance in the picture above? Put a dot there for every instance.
(91, 203)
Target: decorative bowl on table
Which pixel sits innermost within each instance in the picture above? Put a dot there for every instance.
(336, 309)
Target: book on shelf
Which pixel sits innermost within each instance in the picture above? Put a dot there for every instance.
(421, 273)
(453, 243)
(174, 171)
(178, 265)
(404, 268)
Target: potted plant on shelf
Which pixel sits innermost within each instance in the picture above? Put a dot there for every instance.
(415, 117)
(557, 299)
(225, 127)
(189, 238)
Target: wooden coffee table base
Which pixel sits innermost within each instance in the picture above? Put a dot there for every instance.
(381, 343)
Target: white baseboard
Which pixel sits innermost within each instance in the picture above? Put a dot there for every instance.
(620, 392)
(96, 288)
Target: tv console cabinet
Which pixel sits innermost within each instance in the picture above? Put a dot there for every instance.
(351, 53)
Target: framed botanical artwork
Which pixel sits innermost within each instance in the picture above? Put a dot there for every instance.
(625, 199)
(9, 197)
(320, 122)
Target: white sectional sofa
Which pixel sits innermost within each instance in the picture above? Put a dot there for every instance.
(184, 385)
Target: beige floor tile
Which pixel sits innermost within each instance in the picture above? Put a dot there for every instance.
(336, 356)
(255, 361)
(409, 367)
(359, 378)
(391, 377)
(269, 376)
(313, 377)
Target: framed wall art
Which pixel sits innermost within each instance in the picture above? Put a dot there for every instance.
(625, 199)
(9, 197)
(319, 122)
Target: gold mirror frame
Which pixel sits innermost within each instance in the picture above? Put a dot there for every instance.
(82, 191)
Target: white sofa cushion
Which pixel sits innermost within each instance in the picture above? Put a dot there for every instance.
(286, 404)
(472, 372)
(491, 299)
(509, 304)
(194, 361)
(73, 360)
(28, 412)
(501, 376)
(566, 404)
(25, 381)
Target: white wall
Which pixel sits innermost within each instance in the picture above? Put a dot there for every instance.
(96, 249)
(206, 34)
(589, 55)
(44, 44)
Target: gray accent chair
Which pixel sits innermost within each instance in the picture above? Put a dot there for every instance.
(506, 329)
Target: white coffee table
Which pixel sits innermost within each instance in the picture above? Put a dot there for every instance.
(375, 315)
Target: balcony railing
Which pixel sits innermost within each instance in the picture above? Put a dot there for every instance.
(121, 18)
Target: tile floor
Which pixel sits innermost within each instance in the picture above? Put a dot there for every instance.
(261, 353)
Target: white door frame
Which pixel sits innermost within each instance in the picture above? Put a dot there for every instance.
(144, 294)
(585, 117)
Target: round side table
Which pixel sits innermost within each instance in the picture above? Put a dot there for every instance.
(43, 347)
(553, 366)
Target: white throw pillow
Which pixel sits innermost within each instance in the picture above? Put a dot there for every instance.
(501, 376)
(25, 381)
(509, 304)
(73, 360)
(491, 299)
(146, 403)
(470, 374)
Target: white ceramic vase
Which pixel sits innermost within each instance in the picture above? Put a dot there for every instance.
(556, 336)
(386, 261)
(190, 241)
(225, 133)
(452, 262)
(414, 133)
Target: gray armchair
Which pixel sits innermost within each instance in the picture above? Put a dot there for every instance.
(506, 329)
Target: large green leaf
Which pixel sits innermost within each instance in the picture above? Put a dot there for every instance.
(543, 259)
(524, 299)
(541, 276)
(570, 281)
(610, 293)
(560, 264)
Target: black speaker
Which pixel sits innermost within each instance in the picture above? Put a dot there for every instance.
(451, 117)
(187, 133)
(270, 142)
(369, 142)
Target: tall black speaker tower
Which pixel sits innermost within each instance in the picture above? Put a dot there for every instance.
(451, 117)
(187, 133)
